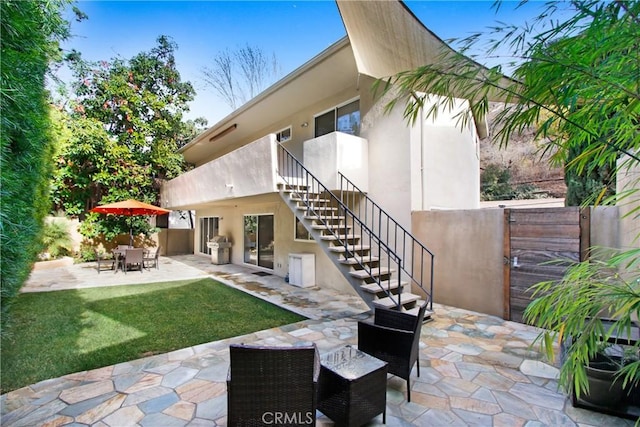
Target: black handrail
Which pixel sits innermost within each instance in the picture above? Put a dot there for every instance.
(297, 176)
(401, 242)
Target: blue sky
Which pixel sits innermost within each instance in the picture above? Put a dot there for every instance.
(295, 31)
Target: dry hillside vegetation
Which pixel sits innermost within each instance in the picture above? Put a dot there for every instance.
(523, 158)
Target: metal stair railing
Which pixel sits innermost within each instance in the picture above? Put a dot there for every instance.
(409, 250)
(306, 184)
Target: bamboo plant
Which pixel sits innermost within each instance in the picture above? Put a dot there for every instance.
(573, 311)
(572, 74)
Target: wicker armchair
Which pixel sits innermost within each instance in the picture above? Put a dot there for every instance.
(393, 337)
(133, 259)
(272, 385)
(151, 259)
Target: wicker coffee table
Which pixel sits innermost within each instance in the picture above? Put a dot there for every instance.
(352, 388)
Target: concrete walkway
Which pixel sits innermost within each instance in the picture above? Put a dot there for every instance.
(475, 369)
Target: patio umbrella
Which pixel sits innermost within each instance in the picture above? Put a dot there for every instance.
(130, 208)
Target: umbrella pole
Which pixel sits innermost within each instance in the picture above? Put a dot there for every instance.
(130, 230)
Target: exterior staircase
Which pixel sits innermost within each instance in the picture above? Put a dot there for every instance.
(371, 264)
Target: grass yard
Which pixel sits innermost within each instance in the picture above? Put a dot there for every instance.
(57, 333)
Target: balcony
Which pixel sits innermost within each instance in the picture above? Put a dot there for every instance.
(252, 170)
(248, 171)
(335, 152)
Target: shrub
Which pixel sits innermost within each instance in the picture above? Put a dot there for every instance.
(495, 184)
(28, 44)
(56, 239)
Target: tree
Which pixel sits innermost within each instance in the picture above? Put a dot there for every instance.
(125, 127)
(582, 185)
(240, 75)
(576, 79)
(29, 44)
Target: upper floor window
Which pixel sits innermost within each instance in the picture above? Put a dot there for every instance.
(284, 135)
(345, 118)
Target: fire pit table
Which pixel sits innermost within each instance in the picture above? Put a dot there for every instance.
(352, 388)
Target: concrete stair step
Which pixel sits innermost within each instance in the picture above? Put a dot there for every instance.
(315, 198)
(332, 227)
(373, 272)
(341, 237)
(350, 248)
(354, 260)
(387, 302)
(317, 208)
(428, 314)
(324, 218)
(374, 288)
(292, 188)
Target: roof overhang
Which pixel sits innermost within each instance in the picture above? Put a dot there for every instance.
(401, 41)
(384, 38)
(330, 72)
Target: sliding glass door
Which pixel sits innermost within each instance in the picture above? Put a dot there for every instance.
(259, 240)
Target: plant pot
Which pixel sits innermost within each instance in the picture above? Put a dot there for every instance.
(604, 388)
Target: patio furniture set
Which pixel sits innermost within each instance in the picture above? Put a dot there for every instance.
(285, 385)
(126, 257)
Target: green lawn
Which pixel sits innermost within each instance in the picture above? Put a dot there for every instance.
(56, 333)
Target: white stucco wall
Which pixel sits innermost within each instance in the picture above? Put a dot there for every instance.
(628, 182)
(389, 159)
(231, 224)
(430, 165)
(329, 154)
(451, 163)
(247, 171)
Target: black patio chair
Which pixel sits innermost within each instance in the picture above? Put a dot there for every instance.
(267, 385)
(394, 337)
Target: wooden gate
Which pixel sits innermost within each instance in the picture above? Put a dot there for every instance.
(533, 238)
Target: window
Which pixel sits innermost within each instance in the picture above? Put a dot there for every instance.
(301, 233)
(259, 240)
(208, 229)
(284, 135)
(345, 118)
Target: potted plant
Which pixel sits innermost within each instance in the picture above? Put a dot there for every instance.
(606, 388)
(591, 312)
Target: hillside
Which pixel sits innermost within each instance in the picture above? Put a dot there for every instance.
(523, 158)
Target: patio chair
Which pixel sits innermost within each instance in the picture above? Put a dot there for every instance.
(104, 259)
(272, 382)
(151, 259)
(394, 337)
(133, 258)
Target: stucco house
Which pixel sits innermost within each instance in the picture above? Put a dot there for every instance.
(313, 165)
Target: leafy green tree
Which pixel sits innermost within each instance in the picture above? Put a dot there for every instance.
(31, 31)
(582, 185)
(576, 79)
(125, 127)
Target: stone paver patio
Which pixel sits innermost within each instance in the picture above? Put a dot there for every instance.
(475, 369)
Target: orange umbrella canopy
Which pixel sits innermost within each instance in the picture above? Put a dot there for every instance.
(130, 207)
